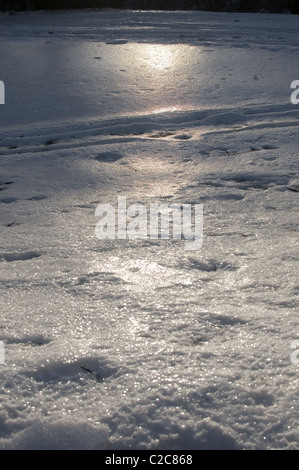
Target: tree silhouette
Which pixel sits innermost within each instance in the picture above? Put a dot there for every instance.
(272, 6)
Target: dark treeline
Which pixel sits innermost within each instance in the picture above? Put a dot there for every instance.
(271, 6)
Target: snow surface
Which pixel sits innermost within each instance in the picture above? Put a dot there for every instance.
(140, 344)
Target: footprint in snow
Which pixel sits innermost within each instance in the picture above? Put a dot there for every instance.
(294, 188)
(35, 340)
(116, 41)
(208, 266)
(50, 142)
(37, 198)
(59, 371)
(9, 200)
(183, 137)
(12, 257)
(109, 157)
(229, 197)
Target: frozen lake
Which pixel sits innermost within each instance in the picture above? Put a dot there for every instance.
(68, 73)
(140, 344)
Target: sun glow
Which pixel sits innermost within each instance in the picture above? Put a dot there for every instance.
(158, 56)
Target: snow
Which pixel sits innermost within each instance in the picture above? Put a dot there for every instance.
(140, 344)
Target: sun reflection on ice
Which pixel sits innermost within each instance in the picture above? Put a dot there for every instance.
(160, 71)
(160, 57)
